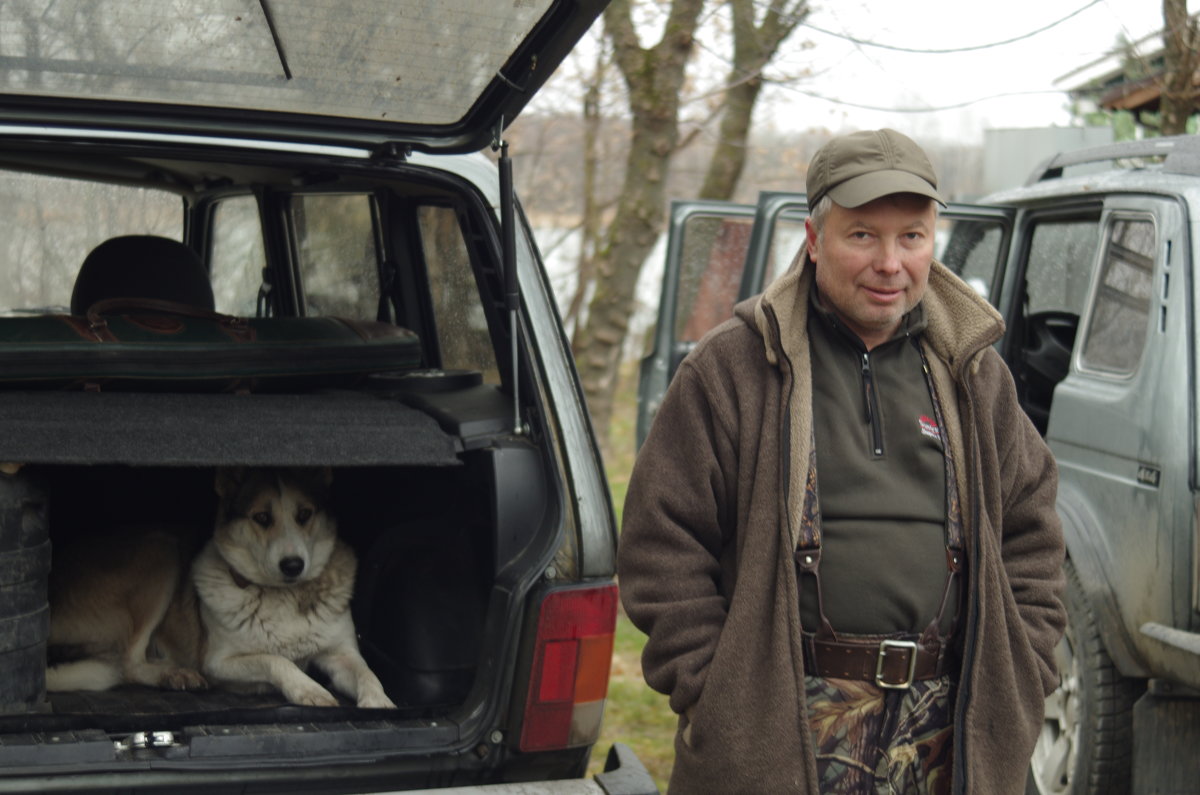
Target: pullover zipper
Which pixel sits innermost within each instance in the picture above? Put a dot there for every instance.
(871, 404)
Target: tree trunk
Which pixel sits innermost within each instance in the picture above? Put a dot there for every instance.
(589, 231)
(654, 78)
(1178, 96)
(753, 48)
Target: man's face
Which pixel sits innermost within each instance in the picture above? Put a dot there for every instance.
(873, 262)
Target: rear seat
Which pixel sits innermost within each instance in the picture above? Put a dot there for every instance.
(142, 317)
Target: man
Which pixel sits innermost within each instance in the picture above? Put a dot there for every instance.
(840, 533)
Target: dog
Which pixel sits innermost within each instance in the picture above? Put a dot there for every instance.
(266, 596)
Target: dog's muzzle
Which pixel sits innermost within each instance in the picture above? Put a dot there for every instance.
(291, 567)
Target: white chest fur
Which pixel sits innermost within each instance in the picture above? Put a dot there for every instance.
(296, 621)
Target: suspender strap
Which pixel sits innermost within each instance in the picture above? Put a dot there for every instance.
(955, 554)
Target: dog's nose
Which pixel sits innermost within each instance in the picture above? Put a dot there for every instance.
(291, 567)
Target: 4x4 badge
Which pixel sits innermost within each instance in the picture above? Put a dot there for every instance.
(1149, 476)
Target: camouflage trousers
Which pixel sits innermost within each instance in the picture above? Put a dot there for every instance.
(874, 741)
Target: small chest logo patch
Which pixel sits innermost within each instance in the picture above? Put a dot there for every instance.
(929, 428)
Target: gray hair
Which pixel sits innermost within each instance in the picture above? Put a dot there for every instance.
(818, 213)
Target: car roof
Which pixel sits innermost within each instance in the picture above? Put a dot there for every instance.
(1165, 166)
(431, 74)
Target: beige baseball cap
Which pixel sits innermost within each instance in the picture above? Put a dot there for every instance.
(861, 167)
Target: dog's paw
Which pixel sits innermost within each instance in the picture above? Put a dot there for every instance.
(375, 700)
(310, 695)
(182, 679)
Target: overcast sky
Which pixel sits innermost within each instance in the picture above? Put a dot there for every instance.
(862, 75)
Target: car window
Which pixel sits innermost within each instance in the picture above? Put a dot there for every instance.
(1121, 310)
(1059, 265)
(237, 257)
(337, 252)
(971, 249)
(787, 241)
(710, 272)
(462, 328)
(60, 221)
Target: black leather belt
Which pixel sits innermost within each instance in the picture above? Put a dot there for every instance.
(889, 663)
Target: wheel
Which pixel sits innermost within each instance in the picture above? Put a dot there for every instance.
(1086, 744)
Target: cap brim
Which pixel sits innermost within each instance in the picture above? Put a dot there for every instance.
(857, 191)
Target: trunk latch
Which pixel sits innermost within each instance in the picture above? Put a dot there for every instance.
(141, 740)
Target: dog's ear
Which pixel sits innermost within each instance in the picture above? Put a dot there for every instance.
(228, 479)
(325, 476)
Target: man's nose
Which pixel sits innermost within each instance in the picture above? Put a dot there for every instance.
(888, 260)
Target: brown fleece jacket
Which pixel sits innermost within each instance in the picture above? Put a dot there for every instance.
(710, 524)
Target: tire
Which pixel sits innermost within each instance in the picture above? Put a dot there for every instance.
(1086, 744)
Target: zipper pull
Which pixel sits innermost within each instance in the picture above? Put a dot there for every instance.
(866, 382)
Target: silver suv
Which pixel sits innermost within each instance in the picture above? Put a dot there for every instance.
(363, 294)
(1097, 278)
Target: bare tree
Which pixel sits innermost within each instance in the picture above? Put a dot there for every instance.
(655, 78)
(590, 225)
(754, 47)
(1179, 94)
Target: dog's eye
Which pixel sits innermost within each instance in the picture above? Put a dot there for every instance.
(303, 515)
(262, 518)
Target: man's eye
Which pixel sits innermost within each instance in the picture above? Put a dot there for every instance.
(303, 515)
(262, 519)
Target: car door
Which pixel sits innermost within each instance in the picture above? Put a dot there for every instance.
(1119, 418)
(713, 246)
(706, 253)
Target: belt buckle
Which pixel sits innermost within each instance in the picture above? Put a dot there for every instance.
(884, 645)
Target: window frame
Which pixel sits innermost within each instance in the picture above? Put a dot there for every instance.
(1096, 287)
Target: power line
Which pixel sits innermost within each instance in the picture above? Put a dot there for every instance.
(865, 43)
(955, 106)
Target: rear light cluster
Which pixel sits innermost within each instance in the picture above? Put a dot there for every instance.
(571, 661)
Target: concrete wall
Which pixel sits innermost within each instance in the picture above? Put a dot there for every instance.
(1009, 156)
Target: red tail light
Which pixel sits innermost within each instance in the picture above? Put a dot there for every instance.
(571, 662)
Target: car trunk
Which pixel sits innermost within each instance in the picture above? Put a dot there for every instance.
(420, 491)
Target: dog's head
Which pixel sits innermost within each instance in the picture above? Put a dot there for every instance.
(273, 525)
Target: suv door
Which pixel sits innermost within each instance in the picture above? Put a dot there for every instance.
(711, 247)
(1117, 428)
(706, 254)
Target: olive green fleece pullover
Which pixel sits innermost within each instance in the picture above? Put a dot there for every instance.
(882, 483)
(710, 524)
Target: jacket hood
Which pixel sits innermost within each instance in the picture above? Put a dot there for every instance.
(960, 322)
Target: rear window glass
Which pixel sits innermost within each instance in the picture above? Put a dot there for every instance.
(58, 221)
(462, 328)
(339, 260)
(237, 258)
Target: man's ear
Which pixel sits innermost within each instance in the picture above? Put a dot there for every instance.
(810, 239)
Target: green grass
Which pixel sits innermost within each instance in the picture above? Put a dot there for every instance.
(634, 714)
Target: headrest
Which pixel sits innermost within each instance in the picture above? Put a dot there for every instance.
(142, 266)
